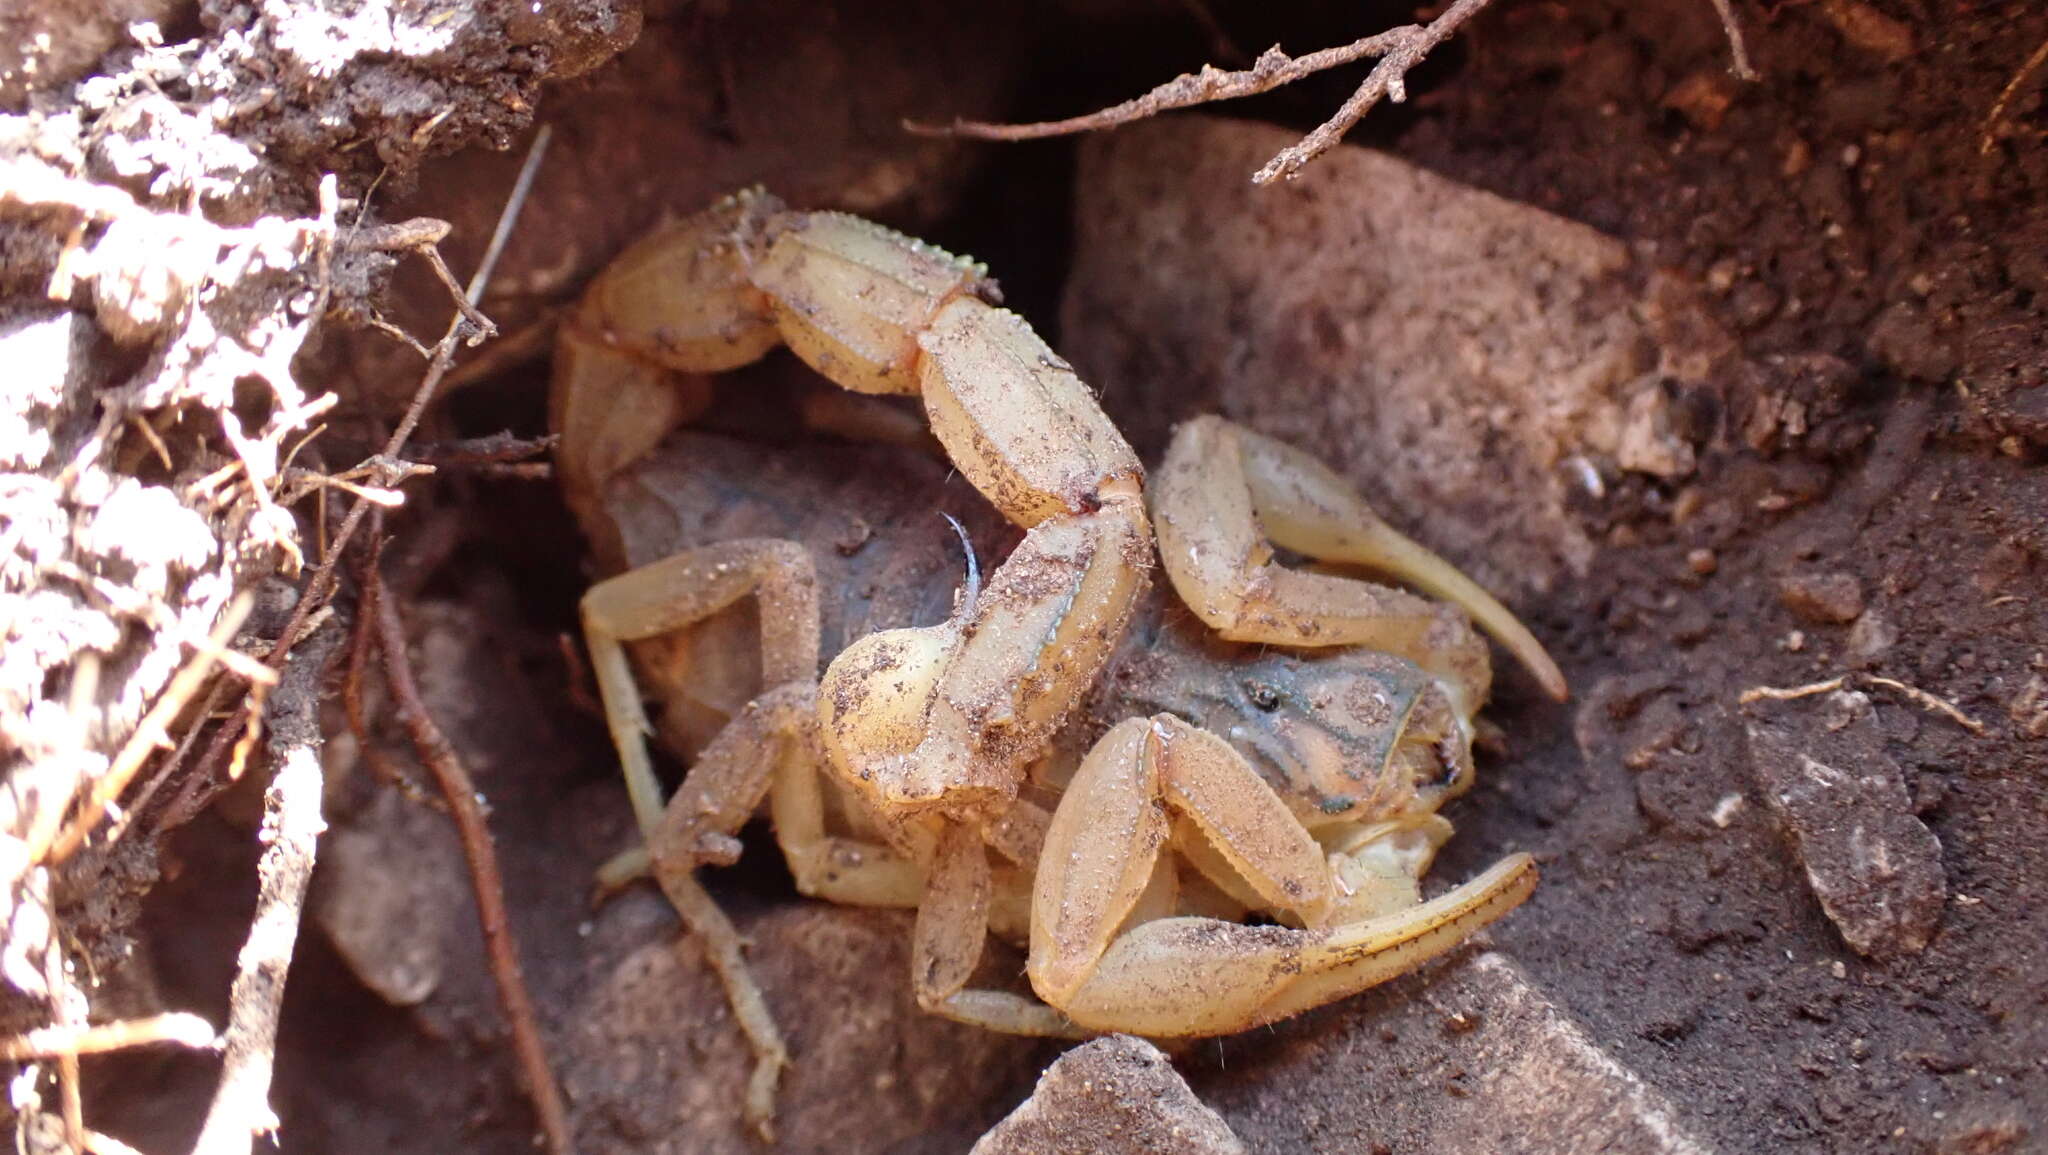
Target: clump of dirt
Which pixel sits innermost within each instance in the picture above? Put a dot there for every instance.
(176, 220)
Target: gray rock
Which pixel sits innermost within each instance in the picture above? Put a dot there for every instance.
(1475, 1056)
(1450, 348)
(1109, 1097)
(1822, 598)
(653, 1063)
(1875, 867)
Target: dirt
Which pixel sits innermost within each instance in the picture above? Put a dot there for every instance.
(1845, 297)
(1711, 956)
(1899, 249)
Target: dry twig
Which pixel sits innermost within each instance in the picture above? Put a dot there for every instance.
(1399, 50)
(178, 1028)
(361, 646)
(1738, 51)
(1996, 117)
(422, 235)
(498, 448)
(151, 733)
(1791, 693)
(499, 455)
(291, 831)
(1928, 701)
(1913, 694)
(319, 588)
(460, 793)
(69, 1004)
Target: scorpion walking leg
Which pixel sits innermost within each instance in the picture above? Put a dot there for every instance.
(1110, 963)
(1104, 845)
(770, 751)
(1225, 496)
(685, 588)
(770, 744)
(955, 916)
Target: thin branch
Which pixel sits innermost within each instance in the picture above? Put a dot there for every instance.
(1738, 50)
(70, 1011)
(460, 793)
(361, 649)
(498, 448)
(1388, 78)
(320, 586)
(291, 832)
(149, 734)
(1927, 701)
(1914, 694)
(304, 481)
(422, 235)
(1399, 50)
(1273, 69)
(178, 1028)
(1790, 693)
(1995, 118)
(168, 769)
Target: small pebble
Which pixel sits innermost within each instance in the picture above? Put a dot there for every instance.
(1726, 809)
(1702, 561)
(1822, 598)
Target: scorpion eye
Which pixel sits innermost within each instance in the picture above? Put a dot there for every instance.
(1263, 696)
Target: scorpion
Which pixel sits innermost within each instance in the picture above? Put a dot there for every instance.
(1197, 812)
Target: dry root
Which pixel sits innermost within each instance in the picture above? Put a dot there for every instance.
(1399, 50)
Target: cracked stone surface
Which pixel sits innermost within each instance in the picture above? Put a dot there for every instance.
(1114, 1096)
(1510, 353)
(1872, 863)
(1472, 1056)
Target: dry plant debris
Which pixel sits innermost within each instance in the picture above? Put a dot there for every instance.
(464, 804)
(1931, 702)
(292, 825)
(292, 806)
(1994, 121)
(164, 269)
(1399, 50)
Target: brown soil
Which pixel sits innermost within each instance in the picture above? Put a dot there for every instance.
(1869, 498)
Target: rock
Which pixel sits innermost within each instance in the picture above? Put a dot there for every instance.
(1702, 98)
(1647, 442)
(1906, 339)
(1112, 1096)
(1843, 802)
(1444, 347)
(653, 1062)
(1824, 598)
(1869, 29)
(1871, 636)
(391, 894)
(1474, 1057)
